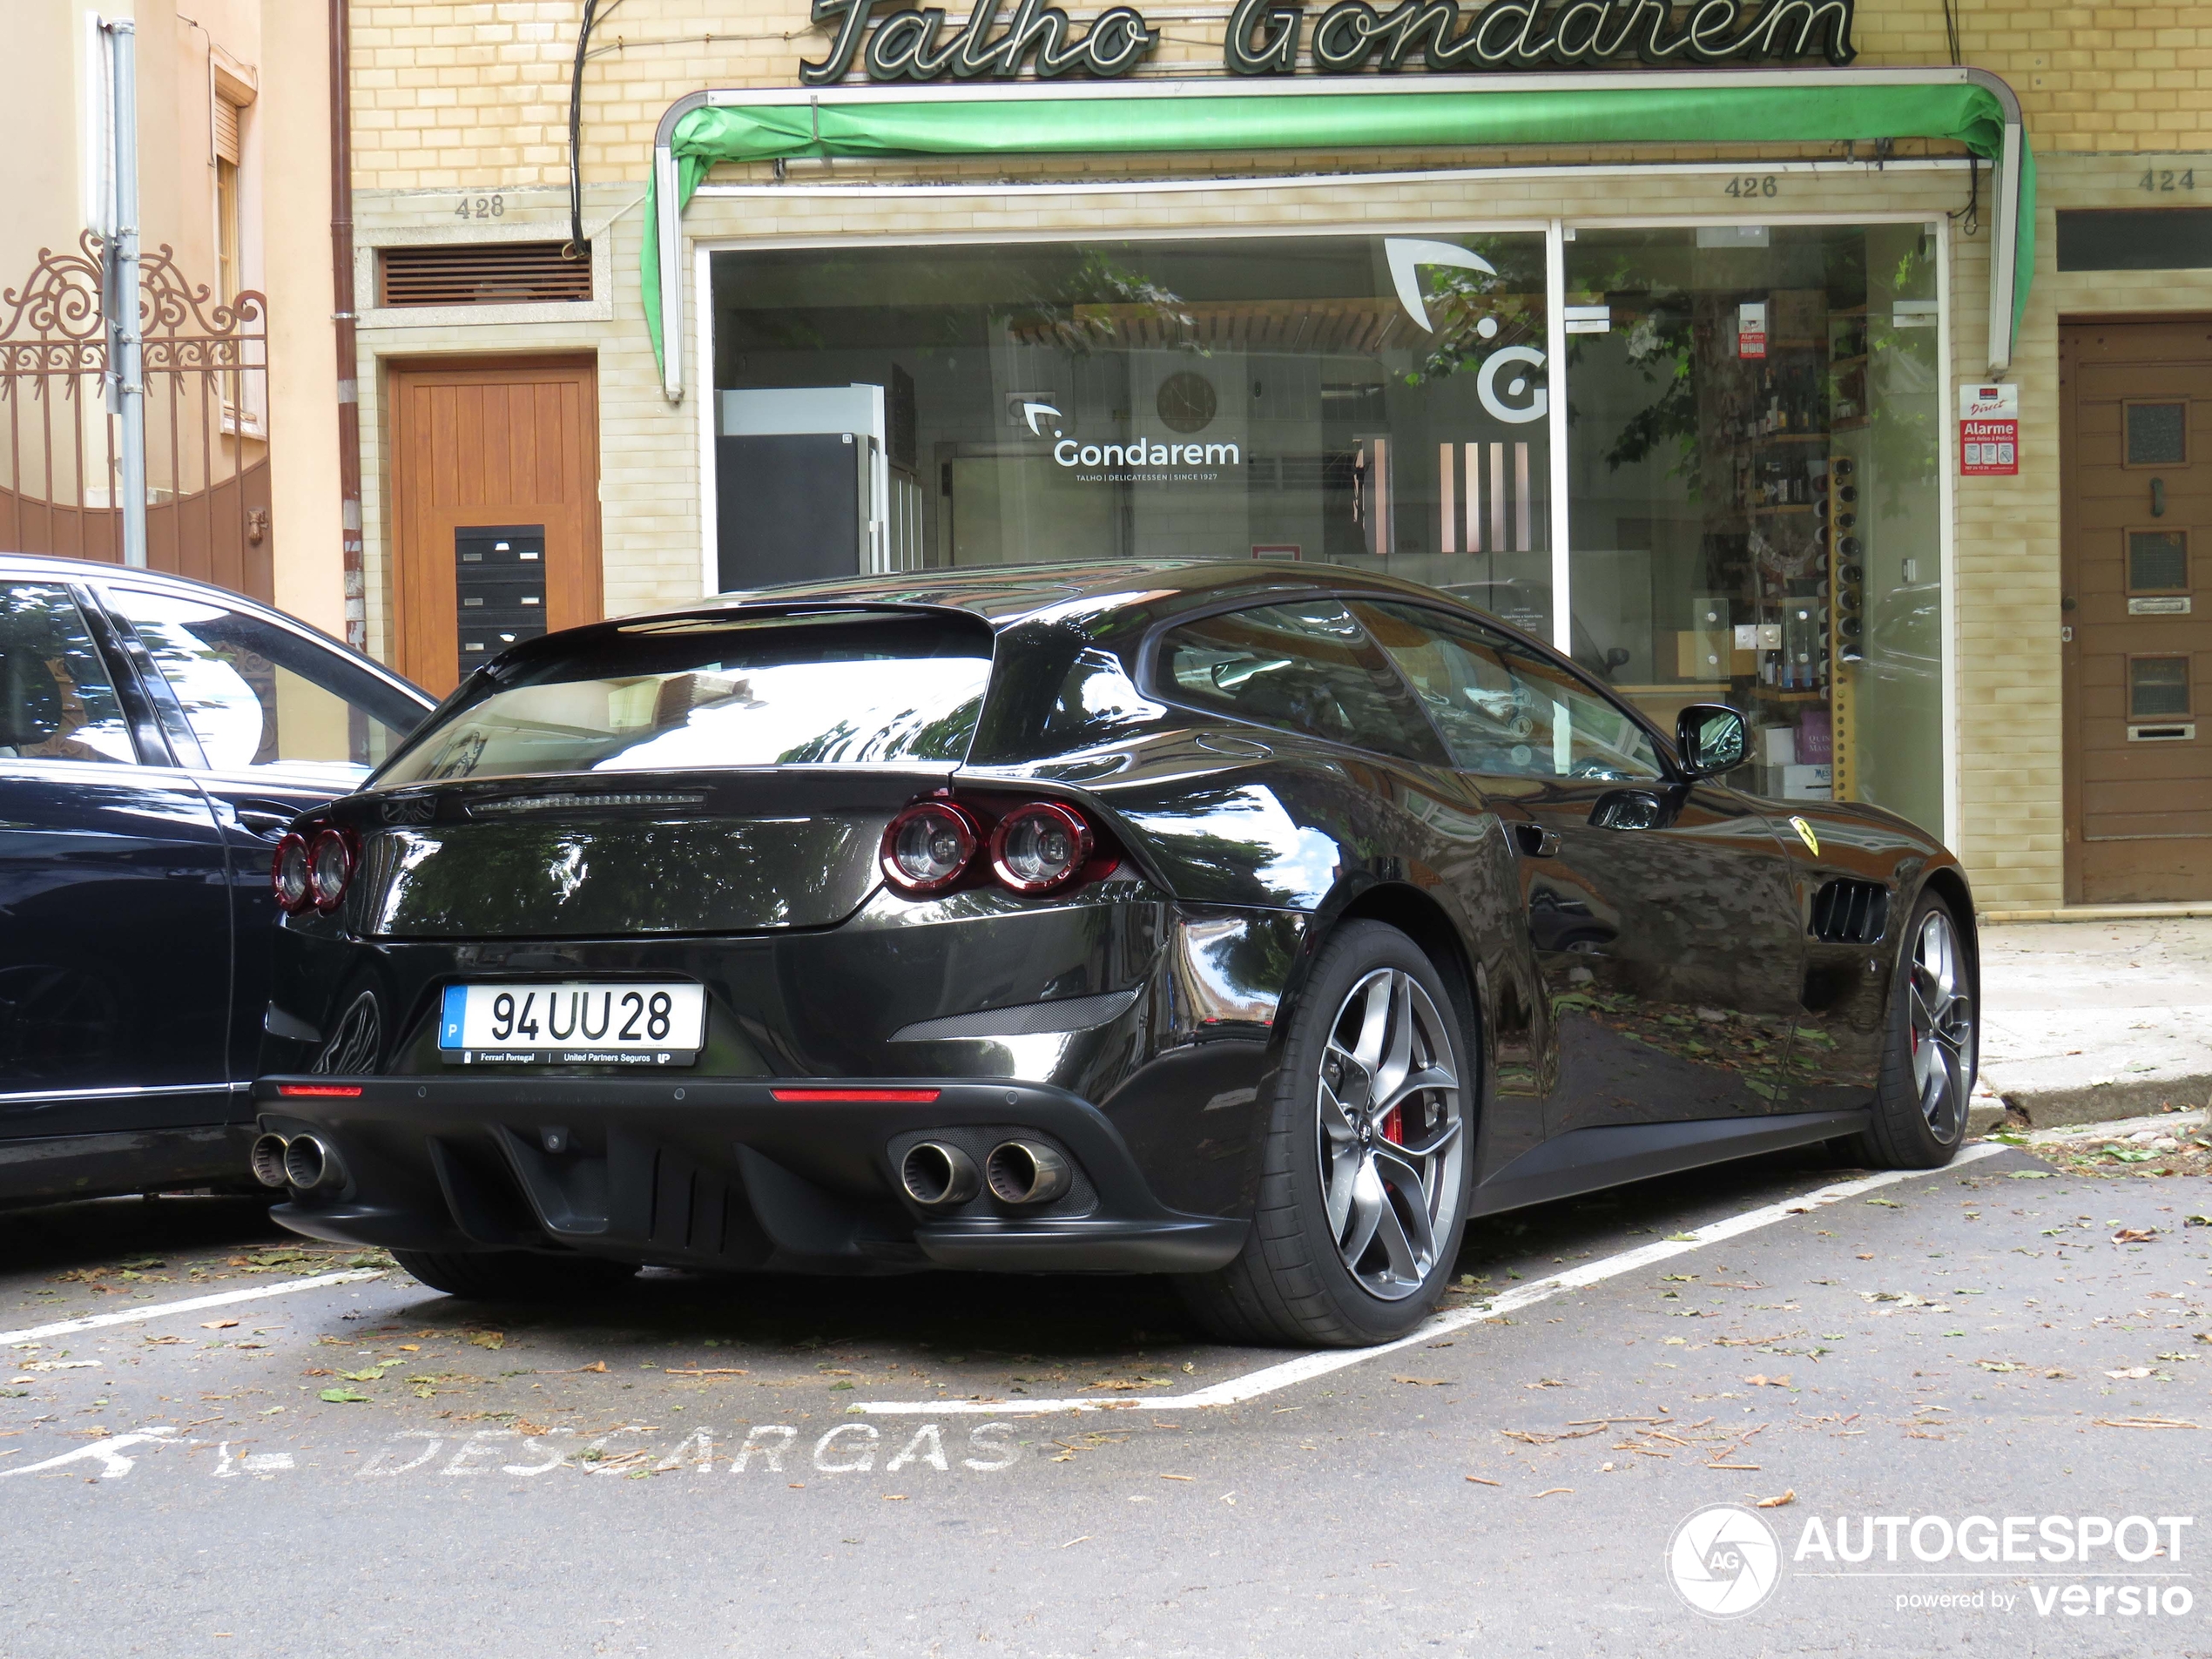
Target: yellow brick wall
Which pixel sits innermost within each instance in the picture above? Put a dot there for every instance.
(473, 95)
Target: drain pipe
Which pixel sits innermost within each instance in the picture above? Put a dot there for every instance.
(342, 314)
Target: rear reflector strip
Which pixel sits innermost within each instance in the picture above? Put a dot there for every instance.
(320, 1091)
(922, 1096)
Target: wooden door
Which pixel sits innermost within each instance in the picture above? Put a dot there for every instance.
(496, 443)
(2136, 562)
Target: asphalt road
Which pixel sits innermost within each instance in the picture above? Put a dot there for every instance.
(371, 1467)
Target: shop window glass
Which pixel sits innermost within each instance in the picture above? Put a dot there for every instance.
(1376, 401)
(57, 702)
(2158, 687)
(1307, 667)
(1504, 710)
(1754, 473)
(2157, 560)
(2157, 434)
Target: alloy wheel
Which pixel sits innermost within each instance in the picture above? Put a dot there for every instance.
(1940, 1013)
(1390, 1133)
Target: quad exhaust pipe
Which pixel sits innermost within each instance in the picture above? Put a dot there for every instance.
(302, 1161)
(938, 1175)
(1022, 1172)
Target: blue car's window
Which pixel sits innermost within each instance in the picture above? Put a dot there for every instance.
(57, 702)
(1307, 666)
(842, 689)
(258, 695)
(1502, 709)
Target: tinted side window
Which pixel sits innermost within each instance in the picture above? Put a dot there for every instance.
(1504, 710)
(1305, 667)
(57, 702)
(258, 695)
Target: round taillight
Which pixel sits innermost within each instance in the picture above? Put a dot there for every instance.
(928, 846)
(330, 866)
(1040, 846)
(288, 874)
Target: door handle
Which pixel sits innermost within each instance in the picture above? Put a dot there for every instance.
(1534, 840)
(2158, 498)
(263, 824)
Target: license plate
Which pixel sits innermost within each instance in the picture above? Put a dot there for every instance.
(575, 1023)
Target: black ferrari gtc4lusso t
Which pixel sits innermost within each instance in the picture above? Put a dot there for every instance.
(1252, 924)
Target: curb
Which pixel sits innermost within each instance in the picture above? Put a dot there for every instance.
(2100, 1102)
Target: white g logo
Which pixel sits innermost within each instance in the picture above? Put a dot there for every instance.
(1486, 385)
(1724, 1561)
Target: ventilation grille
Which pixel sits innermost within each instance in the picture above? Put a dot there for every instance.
(1851, 912)
(482, 273)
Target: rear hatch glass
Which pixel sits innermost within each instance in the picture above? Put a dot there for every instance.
(849, 688)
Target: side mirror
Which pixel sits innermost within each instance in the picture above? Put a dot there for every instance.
(1710, 738)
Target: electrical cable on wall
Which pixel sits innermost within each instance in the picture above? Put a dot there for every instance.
(573, 249)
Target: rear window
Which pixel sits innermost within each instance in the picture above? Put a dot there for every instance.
(842, 689)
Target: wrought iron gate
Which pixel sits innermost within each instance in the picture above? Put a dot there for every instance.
(207, 438)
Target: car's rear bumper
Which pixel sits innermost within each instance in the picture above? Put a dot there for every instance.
(722, 1173)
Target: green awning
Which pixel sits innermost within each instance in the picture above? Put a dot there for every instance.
(881, 124)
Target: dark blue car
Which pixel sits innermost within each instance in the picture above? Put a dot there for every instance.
(157, 735)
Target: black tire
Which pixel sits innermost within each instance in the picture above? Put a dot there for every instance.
(1291, 1286)
(1904, 1133)
(514, 1275)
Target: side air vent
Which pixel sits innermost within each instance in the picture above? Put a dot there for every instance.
(1851, 912)
(482, 273)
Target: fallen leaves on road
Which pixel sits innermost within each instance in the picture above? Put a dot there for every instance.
(1760, 1379)
(1886, 1203)
(2028, 1174)
(342, 1397)
(1553, 1492)
(2132, 1373)
(1787, 1498)
(708, 1371)
(217, 1325)
(2134, 1234)
(488, 1338)
(1480, 1481)
(1424, 1382)
(2001, 1365)
(1545, 1382)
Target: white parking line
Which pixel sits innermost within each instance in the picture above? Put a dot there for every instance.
(190, 1304)
(1270, 1378)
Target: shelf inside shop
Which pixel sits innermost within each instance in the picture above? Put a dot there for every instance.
(1849, 423)
(1766, 439)
(1770, 512)
(1847, 362)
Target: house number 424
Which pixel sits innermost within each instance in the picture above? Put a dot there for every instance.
(2163, 180)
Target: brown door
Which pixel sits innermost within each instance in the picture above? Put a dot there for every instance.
(2136, 554)
(503, 445)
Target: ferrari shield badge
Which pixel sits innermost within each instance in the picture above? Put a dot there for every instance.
(1805, 835)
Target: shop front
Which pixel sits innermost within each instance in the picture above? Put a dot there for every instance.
(1702, 447)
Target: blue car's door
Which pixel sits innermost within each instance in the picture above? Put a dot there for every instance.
(274, 721)
(115, 928)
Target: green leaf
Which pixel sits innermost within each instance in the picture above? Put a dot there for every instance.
(1886, 1203)
(343, 1397)
(2029, 1174)
(1683, 1239)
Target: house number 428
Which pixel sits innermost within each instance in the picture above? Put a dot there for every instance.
(482, 207)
